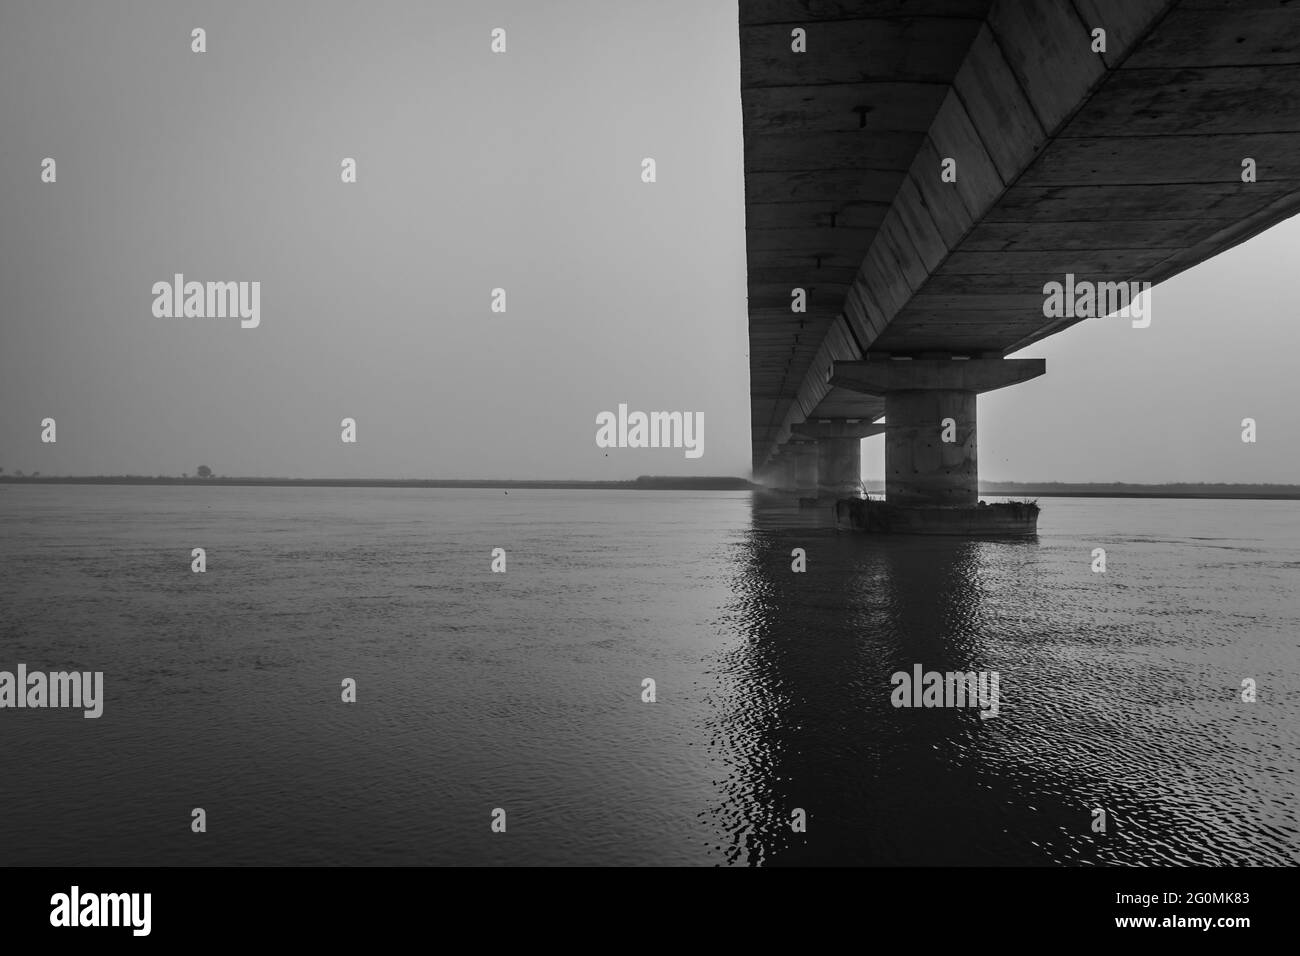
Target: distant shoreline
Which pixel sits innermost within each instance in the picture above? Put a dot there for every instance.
(1186, 490)
(644, 483)
(1208, 495)
(1053, 489)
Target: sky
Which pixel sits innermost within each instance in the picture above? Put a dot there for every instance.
(476, 171)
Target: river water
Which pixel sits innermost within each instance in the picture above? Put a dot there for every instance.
(1119, 692)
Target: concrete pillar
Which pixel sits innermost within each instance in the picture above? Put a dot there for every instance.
(805, 469)
(778, 473)
(839, 453)
(930, 447)
(921, 468)
(785, 477)
(839, 468)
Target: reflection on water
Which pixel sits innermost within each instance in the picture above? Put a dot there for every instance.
(1092, 716)
(522, 690)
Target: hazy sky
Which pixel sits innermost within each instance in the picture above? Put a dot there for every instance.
(476, 171)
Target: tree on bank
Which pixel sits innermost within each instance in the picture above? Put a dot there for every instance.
(204, 471)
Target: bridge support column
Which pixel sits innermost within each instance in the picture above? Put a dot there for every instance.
(930, 448)
(773, 474)
(839, 454)
(785, 472)
(839, 467)
(805, 469)
(931, 458)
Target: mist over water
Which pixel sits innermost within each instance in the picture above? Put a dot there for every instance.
(522, 690)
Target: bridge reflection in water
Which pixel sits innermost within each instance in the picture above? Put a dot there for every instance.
(804, 717)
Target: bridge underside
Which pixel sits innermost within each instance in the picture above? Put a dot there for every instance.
(1117, 166)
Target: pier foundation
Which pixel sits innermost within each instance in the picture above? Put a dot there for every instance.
(931, 453)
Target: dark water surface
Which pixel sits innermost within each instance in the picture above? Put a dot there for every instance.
(522, 690)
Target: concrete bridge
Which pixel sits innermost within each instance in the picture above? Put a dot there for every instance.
(919, 173)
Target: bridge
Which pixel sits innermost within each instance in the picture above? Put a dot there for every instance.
(918, 172)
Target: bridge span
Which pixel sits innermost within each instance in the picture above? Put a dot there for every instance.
(919, 172)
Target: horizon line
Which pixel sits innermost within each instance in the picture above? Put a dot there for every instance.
(1051, 488)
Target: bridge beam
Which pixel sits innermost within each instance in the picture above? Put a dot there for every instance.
(931, 457)
(836, 428)
(882, 376)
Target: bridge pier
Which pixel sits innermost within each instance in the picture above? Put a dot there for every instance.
(839, 468)
(931, 455)
(779, 473)
(805, 468)
(773, 474)
(785, 472)
(839, 454)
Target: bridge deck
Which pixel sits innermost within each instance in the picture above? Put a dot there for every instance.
(1116, 166)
